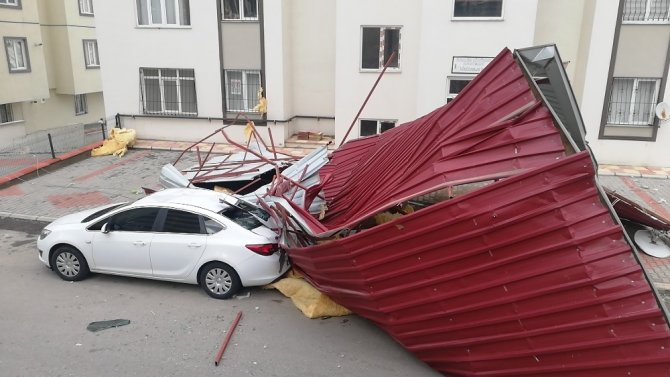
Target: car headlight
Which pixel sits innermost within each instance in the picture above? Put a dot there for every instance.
(45, 232)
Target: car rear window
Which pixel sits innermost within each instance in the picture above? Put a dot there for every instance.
(101, 212)
(241, 217)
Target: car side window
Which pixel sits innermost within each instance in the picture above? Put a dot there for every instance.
(177, 221)
(211, 226)
(134, 220)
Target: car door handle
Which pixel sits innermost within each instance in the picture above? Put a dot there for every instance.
(139, 243)
(194, 245)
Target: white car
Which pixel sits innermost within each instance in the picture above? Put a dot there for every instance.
(183, 235)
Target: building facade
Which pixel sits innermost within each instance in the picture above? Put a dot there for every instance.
(182, 69)
(51, 73)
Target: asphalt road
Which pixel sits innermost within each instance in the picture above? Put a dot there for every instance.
(175, 329)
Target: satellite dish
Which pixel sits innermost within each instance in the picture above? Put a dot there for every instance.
(651, 244)
(663, 111)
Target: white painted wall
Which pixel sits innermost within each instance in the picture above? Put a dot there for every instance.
(124, 47)
(443, 38)
(429, 41)
(395, 94)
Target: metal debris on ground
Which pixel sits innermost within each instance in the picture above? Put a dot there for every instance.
(104, 325)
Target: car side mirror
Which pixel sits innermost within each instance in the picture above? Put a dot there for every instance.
(105, 228)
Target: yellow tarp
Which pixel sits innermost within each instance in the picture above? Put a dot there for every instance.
(308, 299)
(117, 144)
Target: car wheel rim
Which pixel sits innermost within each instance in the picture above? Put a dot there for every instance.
(218, 281)
(68, 264)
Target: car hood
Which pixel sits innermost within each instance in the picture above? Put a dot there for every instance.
(77, 217)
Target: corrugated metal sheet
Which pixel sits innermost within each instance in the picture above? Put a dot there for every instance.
(529, 275)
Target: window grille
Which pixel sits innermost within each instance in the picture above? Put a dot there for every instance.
(242, 87)
(646, 10)
(167, 91)
(632, 101)
(163, 12)
(241, 10)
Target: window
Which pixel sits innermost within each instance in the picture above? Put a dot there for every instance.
(240, 10)
(632, 101)
(181, 222)
(163, 12)
(377, 46)
(85, 7)
(80, 107)
(10, 3)
(373, 127)
(646, 10)
(168, 91)
(91, 58)
(134, 220)
(6, 113)
(242, 90)
(17, 54)
(455, 85)
(211, 226)
(478, 8)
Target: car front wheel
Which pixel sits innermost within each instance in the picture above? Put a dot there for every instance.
(219, 280)
(69, 264)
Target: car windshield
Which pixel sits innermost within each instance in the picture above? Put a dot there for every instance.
(97, 214)
(241, 217)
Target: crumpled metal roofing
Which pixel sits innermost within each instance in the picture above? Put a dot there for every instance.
(529, 275)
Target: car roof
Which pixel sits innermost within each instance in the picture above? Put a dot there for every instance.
(195, 197)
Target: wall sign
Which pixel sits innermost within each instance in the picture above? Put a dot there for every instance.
(469, 64)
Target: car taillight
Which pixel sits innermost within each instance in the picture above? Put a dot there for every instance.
(264, 249)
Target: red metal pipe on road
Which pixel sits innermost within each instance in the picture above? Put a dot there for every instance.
(219, 354)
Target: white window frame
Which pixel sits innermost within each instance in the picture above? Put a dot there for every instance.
(381, 48)
(161, 79)
(450, 95)
(91, 58)
(646, 16)
(243, 16)
(86, 7)
(379, 124)
(163, 24)
(463, 18)
(8, 113)
(19, 45)
(245, 89)
(10, 3)
(636, 81)
(80, 104)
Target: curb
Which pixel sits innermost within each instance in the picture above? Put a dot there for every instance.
(40, 165)
(18, 216)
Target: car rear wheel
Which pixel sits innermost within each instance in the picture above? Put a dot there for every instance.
(219, 280)
(69, 264)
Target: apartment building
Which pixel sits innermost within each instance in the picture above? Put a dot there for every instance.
(188, 67)
(51, 73)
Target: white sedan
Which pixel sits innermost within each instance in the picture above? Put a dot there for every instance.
(191, 236)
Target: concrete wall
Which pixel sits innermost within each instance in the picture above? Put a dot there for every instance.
(241, 44)
(609, 151)
(58, 111)
(642, 50)
(561, 23)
